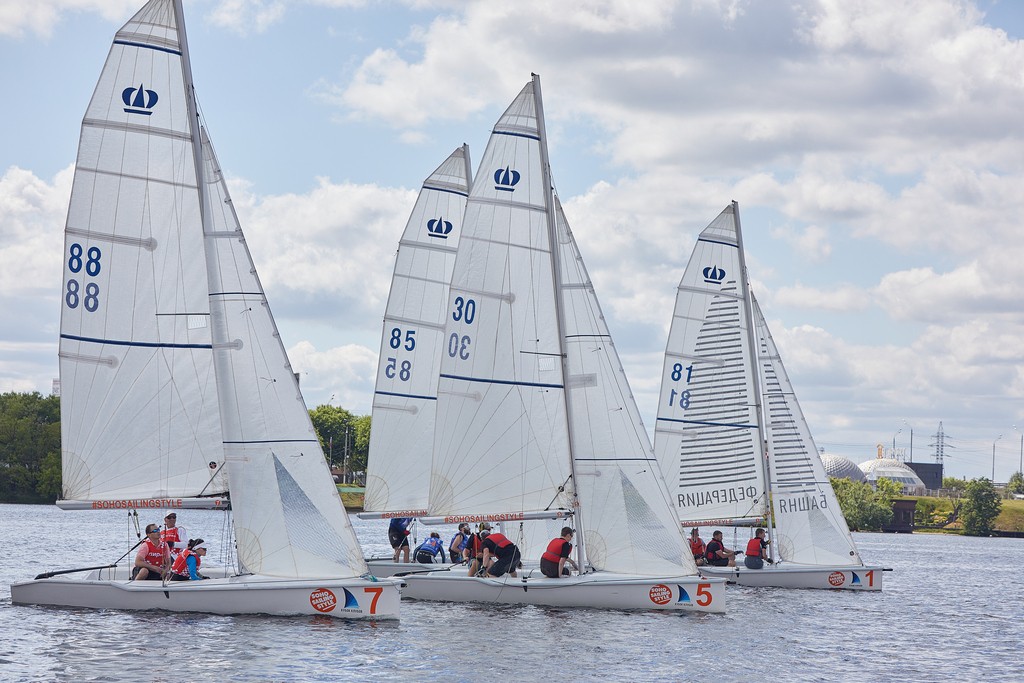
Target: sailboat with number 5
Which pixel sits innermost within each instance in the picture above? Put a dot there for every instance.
(173, 372)
(732, 441)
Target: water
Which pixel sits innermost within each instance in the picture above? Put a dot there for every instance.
(953, 609)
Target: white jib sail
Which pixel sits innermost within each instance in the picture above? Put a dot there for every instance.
(629, 524)
(288, 516)
(139, 413)
(707, 435)
(413, 340)
(809, 525)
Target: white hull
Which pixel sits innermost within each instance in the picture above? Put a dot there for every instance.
(341, 598)
(384, 567)
(599, 590)
(834, 578)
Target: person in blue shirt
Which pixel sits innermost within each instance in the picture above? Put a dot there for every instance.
(186, 565)
(427, 551)
(398, 536)
(457, 548)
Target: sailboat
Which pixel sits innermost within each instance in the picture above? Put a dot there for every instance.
(412, 342)
(535, 423)
(732, 441)
(169, 356)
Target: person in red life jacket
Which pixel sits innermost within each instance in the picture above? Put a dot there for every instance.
(717, 554)
(755, 556)
(697, 547)
(428, 550)
(501, 555)
(457, 548)
(186, 565)
(474, 552)
(552, 562)
(174, 536)
(153, 557)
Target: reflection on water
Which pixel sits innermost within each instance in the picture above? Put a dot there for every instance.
(953, 609)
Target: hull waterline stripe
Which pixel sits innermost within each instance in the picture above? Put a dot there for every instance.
(391, 393)
(150, 47)
(148, 345)
(503, 381)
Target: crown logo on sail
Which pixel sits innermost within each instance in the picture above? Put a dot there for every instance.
(505, 180)
(139, 100)
(714, 275)
(439, 227)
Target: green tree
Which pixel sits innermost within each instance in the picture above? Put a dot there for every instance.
(29, 436)
(954, 484)
(862, 506)
(342, 434)
(1016, 483)
(981, 507)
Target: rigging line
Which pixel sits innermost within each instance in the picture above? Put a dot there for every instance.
(561, 489)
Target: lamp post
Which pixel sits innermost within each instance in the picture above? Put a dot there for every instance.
(1020, 465)
(994, 458)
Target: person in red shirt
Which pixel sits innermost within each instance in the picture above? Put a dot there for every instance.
(697, 547)
(552, 562)
(755, 556)
(153, 558)
(501, 555)
(175, 537)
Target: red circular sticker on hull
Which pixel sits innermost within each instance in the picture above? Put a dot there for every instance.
(323, 600)
(661, 594)
(837, 578)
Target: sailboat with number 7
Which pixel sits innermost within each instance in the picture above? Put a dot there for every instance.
(731, 438)
(172, 368)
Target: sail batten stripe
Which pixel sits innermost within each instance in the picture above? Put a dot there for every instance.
(392, 393)
(131, 43)
(150, 345)
(509, 382)
(236, 293)
(271, 441)
(516, 135)
(445, 189)
(709, 424)
(727, 244)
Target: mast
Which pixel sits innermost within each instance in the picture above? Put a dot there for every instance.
(469, 166)
(556, 268)
(754, 359)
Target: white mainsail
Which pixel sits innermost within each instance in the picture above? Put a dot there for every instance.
(534, 415)
(398, 467)
(707, 435)
(139, 417)
(809, 525)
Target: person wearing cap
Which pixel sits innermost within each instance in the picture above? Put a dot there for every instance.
(174, 536)
(153, 557)
(697, 547)
(501, 555)
(186, 565)
(398, 536)
(474, 552)
(552, 562)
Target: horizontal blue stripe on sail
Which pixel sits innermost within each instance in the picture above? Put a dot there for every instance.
(503, 381)
(236, 293)
(517, 135)
(149, 345)
(443, 189)
(391, 393)
(728, 244)
(151, 47)
(701, 422)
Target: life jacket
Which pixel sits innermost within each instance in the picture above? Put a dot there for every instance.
(754, 547)
(154, 553)
(475, 545)
(555, 549)
(180, 565)
(712, 554)
(462, 545)
(499, 540)
(431, 545)
(171, 535)
(698, 547)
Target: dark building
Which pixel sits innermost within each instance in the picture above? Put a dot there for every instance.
(929, 472)
(902, 517)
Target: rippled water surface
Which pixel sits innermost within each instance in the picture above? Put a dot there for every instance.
(952, 609)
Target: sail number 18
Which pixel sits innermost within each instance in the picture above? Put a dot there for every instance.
(683, 397)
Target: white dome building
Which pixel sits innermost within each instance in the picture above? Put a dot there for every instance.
(842, 468)
(894, 470)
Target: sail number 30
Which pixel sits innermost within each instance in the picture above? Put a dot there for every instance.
(464, 311)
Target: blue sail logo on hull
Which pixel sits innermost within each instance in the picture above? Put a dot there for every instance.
(139, 100)
(350, 600)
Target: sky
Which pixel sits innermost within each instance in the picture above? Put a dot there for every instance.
(875, 148)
